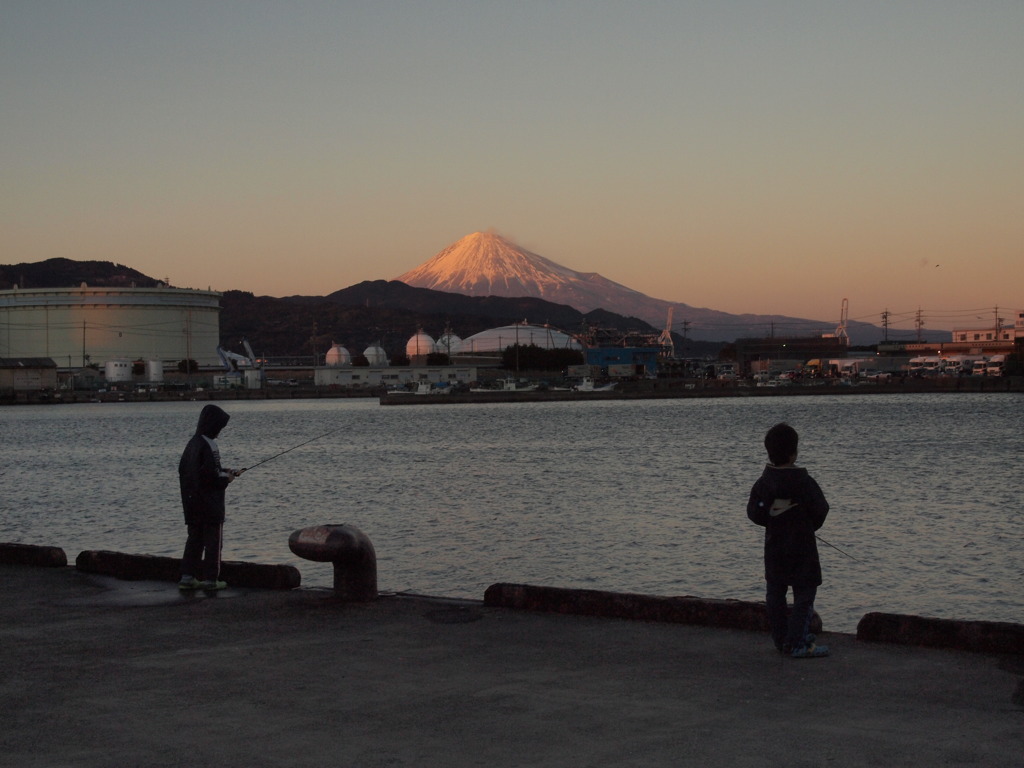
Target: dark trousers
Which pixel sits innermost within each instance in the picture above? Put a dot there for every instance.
(789, 628)
(202, 551)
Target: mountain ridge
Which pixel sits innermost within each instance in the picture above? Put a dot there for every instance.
(485, 262)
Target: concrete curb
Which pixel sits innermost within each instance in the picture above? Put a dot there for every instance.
(153, 568)
(726, 614)
(981, 636)
(31, 554)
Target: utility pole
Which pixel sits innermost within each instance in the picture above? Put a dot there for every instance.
(312, 345)
(919, 323)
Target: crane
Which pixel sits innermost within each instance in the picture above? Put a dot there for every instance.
(841, 333)
(665, 339)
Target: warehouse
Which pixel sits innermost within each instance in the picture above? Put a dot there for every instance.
(27, 374)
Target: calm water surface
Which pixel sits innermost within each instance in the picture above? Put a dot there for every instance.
(645, 496)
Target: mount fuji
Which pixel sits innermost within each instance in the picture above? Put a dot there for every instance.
(486, 264)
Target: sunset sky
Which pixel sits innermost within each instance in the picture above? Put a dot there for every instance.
(768, 157)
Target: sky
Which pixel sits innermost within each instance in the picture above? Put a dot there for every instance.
(771, 158)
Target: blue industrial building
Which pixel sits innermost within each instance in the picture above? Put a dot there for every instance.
(615, 360)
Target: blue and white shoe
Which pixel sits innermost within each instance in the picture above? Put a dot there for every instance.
(811, 651)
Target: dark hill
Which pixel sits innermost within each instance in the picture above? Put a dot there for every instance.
(388, 312)
(66, 273)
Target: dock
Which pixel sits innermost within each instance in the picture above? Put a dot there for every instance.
(100, 671)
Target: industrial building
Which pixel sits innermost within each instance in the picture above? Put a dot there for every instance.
(27, 374)
(782, 353)
(398, 377)
(80, 326)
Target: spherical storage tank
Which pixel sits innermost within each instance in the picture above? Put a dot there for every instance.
(449, 344)
(337, 356)
(419, 346)
(376, 355)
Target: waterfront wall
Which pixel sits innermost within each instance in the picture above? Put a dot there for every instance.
(974, 636)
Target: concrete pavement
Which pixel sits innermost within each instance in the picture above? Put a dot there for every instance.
(95, 671)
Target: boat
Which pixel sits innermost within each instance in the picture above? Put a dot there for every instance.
(588, 385)
(422, 388)
(508, 385)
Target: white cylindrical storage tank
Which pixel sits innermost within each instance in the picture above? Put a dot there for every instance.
(117, 370)
(419, 346)
(74, 326)
(337, 356)
(155, 371)
(376, 356)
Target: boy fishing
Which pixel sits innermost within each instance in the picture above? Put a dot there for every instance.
(203, 481)
(790, 505)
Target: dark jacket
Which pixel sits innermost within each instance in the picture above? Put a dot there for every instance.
(791, 507)
(199, 472)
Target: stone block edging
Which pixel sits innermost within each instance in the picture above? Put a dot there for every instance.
(728, 614)
(154, 568)
(980, 636)
(32, 554)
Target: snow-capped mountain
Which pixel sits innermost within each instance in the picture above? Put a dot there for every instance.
(486, 264)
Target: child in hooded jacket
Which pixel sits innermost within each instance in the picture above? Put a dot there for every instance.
(790, 505)
(203, 481)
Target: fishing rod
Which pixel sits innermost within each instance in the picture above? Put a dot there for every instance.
(837, 549)
(289, 450)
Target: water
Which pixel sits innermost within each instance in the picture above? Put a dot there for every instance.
(643, 496)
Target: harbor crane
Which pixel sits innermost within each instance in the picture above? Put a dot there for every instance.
(841, 333)
(241, 368)
(665, 339)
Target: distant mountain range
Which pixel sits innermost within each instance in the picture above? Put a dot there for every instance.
(378, 311)
(486, 264)
(480, 281)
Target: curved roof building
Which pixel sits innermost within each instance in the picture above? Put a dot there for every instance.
(498, 339)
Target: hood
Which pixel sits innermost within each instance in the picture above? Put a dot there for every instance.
(212, 420)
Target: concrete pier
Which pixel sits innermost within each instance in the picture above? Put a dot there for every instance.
(100, 671)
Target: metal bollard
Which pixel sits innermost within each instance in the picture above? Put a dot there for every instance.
(351, 552)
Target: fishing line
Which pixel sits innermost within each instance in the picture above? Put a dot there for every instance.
(289, 450)
(837, 549)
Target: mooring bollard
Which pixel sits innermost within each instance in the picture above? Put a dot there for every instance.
(351, 552)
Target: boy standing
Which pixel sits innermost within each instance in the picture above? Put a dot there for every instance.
(789, 504)
(203, 481)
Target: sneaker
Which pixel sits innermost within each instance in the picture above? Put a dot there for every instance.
(188, 582)
(810, 651)
(211, 586)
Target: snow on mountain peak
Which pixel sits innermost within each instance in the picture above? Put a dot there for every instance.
(486, 264)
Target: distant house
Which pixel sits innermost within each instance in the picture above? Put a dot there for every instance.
(27, 374)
